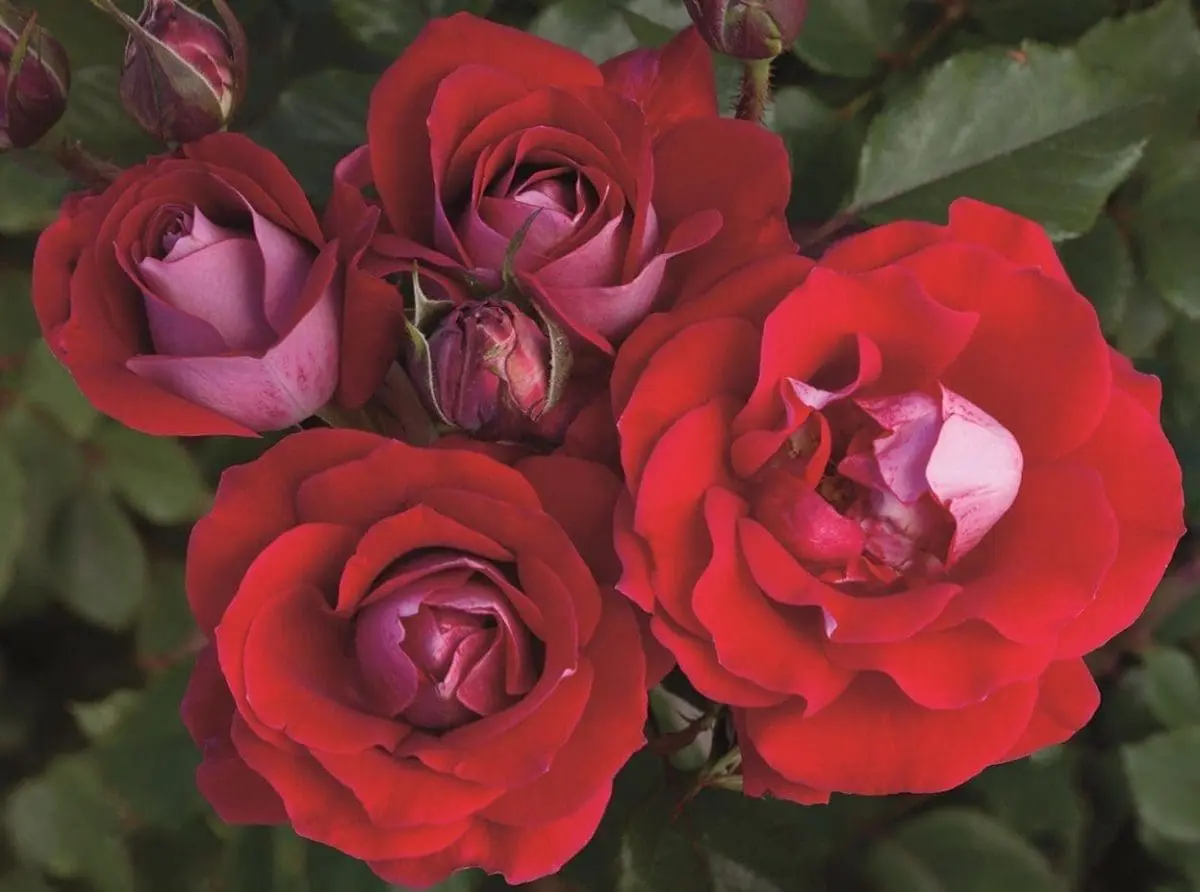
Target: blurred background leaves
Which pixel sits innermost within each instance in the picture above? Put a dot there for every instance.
(1079, 113)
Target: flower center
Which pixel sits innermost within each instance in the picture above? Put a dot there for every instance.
(440, 645)
(870, 491)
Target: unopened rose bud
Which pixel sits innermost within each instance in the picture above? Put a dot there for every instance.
(748, 29)
(182, 78)
(491, 367)
(34, 79)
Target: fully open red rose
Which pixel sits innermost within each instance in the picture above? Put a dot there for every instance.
(483, 137)
(410, 659)
(197, 295)
(883, 508)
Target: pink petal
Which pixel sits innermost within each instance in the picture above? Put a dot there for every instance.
(286, 261)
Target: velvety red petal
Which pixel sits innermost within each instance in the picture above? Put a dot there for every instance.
(874, 741)
(1041, 565)
(400, 792)
(881, 246)
(311, 555)
(609, 732)
(759, 779)
(253, 505)
(847, 618)
(321, 809)
(918, 339)
(1146, 389)
(1037, 362)
(753, 639)
(236, 793)
(1067, 700)
(670, 84)
(949, 670)
(698, 661)
(672, 383)
(372, 331)
(1015, 238)
(688, 460)
(299, 672)
(233, 152)
(1143, 483)
(581, 496)
(401, 101)
(521, 854)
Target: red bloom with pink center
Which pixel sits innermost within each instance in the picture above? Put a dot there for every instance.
(488, 146)
(411, 659)
(883, 506)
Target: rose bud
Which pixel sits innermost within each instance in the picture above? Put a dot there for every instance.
(748, 29)
(34, 79)
(182, 78)
(490, 365)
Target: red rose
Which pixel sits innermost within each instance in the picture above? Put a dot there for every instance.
(197, 295)
(480, 135)
(886, 521)
(410, 659)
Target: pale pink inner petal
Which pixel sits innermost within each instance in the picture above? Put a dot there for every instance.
(197, 232)
(974, 471)
(221, 284)
(286, 262)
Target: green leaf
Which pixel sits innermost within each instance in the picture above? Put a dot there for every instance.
(46, 384)
(102, 561)
(1035, 798)
(155, 475)
(1033, 131)
(1167, 220)
(955, 849)
(654, 22)
(97, 718)
(64, 822)
(165, 626)
(1012, 21)
(1172, 686)
(32, 191)
(148, 757)
(12, 514)
(318, 120)
(1100, 265)
(1151, 53)
(330, 869)
(850, 38)
(20, 328)
(823, 146)
(23, 880)
(595, 29)
(1145, 323)
(1164, 774)
(385, 26)
(95, 115)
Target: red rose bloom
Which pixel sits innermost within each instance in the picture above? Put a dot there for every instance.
(410, 659)
(884, 507)
(197, 295)
(484, 140)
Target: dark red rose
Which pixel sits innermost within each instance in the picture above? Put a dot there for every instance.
(599, 181)
(884, 507)
(197, 294)
(411, 659)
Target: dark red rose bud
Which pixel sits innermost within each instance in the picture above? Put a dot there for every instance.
(491, 367)
(34, 79)
(748, 29)
(182, 78)
(441, 645)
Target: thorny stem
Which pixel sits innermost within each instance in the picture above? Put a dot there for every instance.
(756, 90)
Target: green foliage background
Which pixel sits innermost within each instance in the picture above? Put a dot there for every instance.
(1081, 114)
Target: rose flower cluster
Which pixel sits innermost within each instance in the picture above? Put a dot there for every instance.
(574, 415)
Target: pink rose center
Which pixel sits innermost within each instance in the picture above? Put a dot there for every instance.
(440, 643)
(872, 491)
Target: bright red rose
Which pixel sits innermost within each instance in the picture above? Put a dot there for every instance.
(608, 176)
(883, 508)
(197, 294)
(410, 659)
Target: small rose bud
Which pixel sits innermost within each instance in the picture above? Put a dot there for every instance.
(182, 78)
(34, 79)
(491, 368)
(748, 29)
